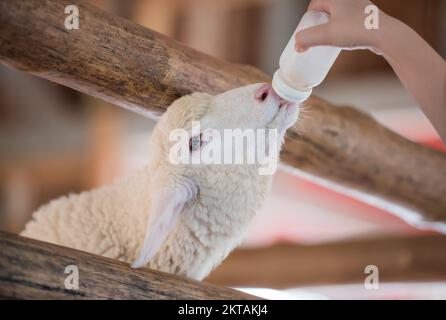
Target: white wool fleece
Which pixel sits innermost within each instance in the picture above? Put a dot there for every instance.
(181, 219)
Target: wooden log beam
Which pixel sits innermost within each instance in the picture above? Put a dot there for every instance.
(31, 269)
(144, 71)
(287, 265)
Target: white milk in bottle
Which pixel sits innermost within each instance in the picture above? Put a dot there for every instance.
(299, 72)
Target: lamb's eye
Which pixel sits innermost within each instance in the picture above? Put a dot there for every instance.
(195, 143)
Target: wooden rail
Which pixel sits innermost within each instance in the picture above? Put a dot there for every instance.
(144, 71)
(31, 269)
(287, 265)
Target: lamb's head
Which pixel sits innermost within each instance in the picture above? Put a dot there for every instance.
(193, 162)
(198, 118)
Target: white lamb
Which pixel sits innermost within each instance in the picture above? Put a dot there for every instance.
(181, 219)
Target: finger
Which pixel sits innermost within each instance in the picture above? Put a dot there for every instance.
(320, 5)
(314, 36)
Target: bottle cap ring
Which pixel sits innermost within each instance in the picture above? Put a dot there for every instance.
(288, 93)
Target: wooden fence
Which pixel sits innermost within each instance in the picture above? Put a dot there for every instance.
(144, 71)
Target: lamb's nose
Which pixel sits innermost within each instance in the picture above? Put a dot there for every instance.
(264, 92)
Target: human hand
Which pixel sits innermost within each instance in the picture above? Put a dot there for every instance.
(346, 28)
(419, 67)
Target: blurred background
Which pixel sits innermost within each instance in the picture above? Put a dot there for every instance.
(54, 140)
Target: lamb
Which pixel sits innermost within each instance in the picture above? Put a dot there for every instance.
(177, 218)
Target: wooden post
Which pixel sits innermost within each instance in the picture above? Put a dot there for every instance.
(144, 71)
(286, 265)
(31, 269)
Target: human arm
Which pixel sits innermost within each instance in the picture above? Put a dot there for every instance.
(421, 70)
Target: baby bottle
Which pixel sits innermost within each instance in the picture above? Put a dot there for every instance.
(299, 72)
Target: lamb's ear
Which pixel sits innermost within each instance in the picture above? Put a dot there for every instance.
(165, 209)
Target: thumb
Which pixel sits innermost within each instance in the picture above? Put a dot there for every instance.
(314, 36)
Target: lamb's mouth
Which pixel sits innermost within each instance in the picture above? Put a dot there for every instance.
(286, 104)
(284, 115)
